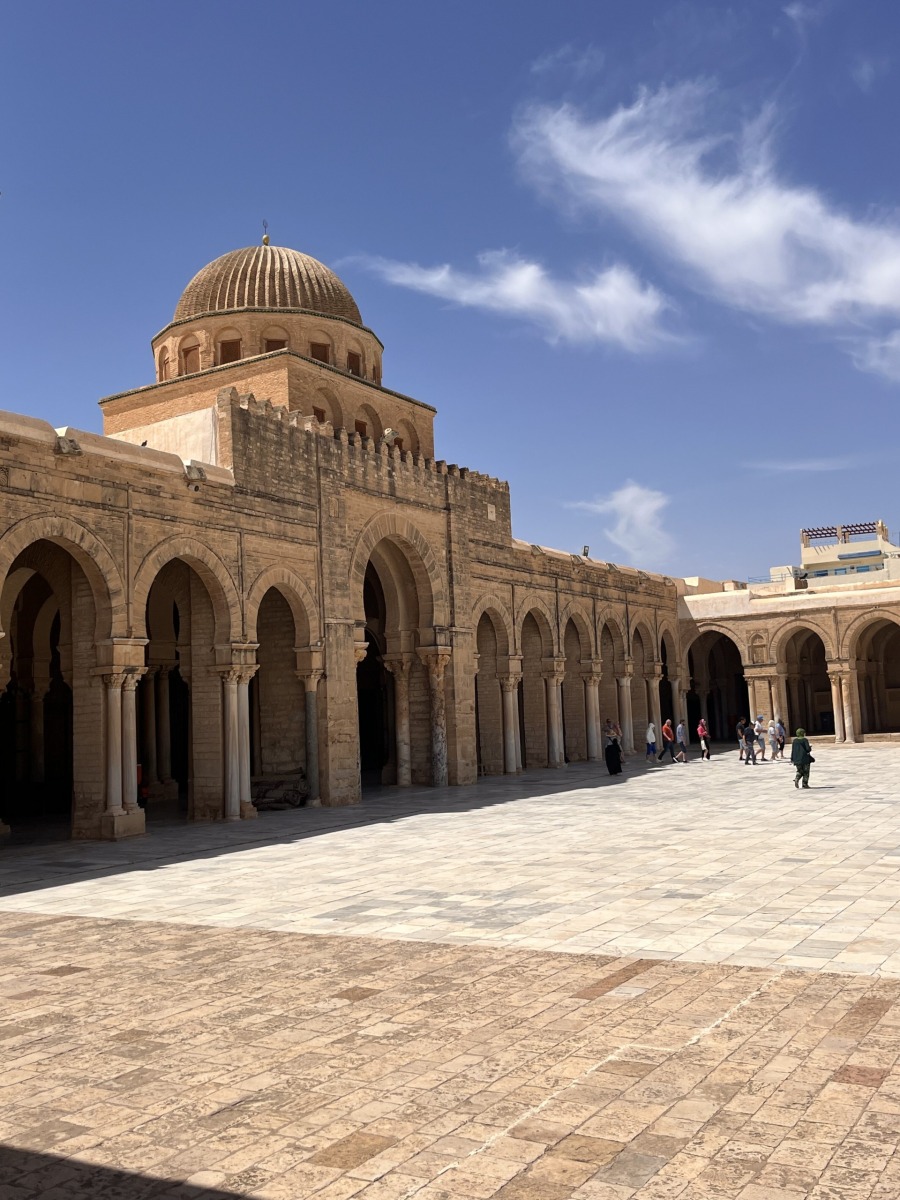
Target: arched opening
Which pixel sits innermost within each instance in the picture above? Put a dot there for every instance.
(612, 665)
(537, 645)
(573, 694)
(641, 710)
(277, 709)
(367, 422)
(180, 699)
(718, 691)
(274, 338)
(395, 725)
(374, 690)
(163, 368)
(490, 643)
(327, 407)
(808, 685)
(408, 439)
(189, 355)
(51, 703)
(666, 693)
(878, 674)
(229, 347)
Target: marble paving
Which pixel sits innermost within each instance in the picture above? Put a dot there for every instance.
(709, 862)
(680, 984)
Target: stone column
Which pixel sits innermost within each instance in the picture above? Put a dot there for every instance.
(510, 688)
(553, 677)
(837, 703)
(626, 720)
(310, 681)
(246, 807)
(232, 764)
(399, 666)
(780, 698)
(848, 690)
(592, 715)
(678, 703)
(520, 761)
(654, 705)
(148, 750)
(435, 659)
(163, 727)
(129, 742)
(36, 727)
(113, 682)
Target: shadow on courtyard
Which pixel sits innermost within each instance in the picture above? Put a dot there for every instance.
(32, 860)
(28, 1173)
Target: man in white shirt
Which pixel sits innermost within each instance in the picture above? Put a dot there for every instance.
(759, 730)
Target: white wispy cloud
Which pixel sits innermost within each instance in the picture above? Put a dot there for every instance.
(577, 62)
(803, 464)
(879, 355)
(717, 204)
(637, 521)
(803, 14)
(611, 305)
(866, 70)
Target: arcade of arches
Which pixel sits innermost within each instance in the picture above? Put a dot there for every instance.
(231, 602)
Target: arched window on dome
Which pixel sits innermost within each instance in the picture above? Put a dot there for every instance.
(162, 369)
(189, 356)
(273, 339)
(228, 347)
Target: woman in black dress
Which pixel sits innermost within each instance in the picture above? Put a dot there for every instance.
(613, 756)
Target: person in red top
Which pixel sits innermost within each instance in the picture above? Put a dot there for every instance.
(703, 735)
(668, 740)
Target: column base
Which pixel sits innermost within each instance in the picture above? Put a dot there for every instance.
(114, 826)
(248, 811)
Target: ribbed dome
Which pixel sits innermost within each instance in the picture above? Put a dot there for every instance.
(267, 277)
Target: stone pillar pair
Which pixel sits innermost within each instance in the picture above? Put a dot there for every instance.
(236, 721)
(122, 816)
(844, 702)
(435, 660)
(554, 672)
(626, 717)
(591, 677)
(156, 757)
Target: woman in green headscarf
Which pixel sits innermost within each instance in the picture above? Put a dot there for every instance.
(801, 757)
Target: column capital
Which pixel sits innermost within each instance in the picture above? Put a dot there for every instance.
(360, 650)
(114, 679)
(436, 659)
(238, 672)
(310, 677)
(591, 670)
(508, 683)
(132, 679)
(398, 664)
(553, 669)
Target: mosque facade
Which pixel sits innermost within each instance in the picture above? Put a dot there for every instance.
(260, 586)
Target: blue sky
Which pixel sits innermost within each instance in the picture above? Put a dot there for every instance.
(644, 258)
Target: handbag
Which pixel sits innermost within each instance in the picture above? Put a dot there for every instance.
(811, 759)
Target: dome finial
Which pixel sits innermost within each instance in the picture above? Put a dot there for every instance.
(265, 240)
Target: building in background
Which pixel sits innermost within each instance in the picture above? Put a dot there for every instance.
(260, 586)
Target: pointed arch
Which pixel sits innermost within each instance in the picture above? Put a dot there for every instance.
(298, 595)
(493, 607)
(584, 625)
(91, 554)
(546, 622)
(212, 571)
(420, 558)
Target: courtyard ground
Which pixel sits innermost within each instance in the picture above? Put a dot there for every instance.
(680, 982)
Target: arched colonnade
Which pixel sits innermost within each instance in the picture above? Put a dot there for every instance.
(545, 688)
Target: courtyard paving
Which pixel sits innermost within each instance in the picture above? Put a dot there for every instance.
(681, 983)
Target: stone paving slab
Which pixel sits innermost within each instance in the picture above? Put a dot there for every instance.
(709, 862)
(200, 1063)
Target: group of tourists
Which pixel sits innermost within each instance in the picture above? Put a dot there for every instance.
(750, 737)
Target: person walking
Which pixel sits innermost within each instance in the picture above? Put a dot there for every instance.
(703, 735)
(772, 734)
(651, 742)
(612, 753)
(801, 757)
(749, 745)
(739, 731)
(668, 740)
(759, 732)
(681, 739)
(782, 735)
